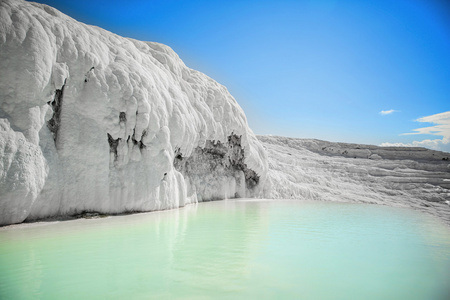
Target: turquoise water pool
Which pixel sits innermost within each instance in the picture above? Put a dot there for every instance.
(234, 249)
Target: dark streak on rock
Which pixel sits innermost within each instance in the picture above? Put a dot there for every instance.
(140, 144)
(55, 122)
(122, 117)
(237, 161)
(113, 143)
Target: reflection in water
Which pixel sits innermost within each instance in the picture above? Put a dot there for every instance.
(232, 249)
(163, 254)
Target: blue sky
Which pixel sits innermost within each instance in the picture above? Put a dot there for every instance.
(321, 69)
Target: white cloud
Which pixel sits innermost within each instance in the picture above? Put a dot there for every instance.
(441, 128)
(387, 112)
(437, 144)
(442, 118)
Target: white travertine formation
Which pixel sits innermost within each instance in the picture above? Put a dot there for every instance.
(91, 121)
(311, 169)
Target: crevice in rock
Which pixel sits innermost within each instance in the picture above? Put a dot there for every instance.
(140, 144)
(55, 122)
(113, 143)
(122, 117)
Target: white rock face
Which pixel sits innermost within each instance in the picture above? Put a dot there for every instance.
(91, 121)
(318, 170)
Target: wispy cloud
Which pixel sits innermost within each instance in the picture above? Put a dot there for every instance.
(441, 128)
(436, 144)
(387, 112)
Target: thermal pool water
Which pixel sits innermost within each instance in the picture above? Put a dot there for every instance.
(247, 249)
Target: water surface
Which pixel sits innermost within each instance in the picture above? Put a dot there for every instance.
(234, 249)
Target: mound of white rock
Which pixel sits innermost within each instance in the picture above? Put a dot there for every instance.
(91, 121)
(310, 169)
